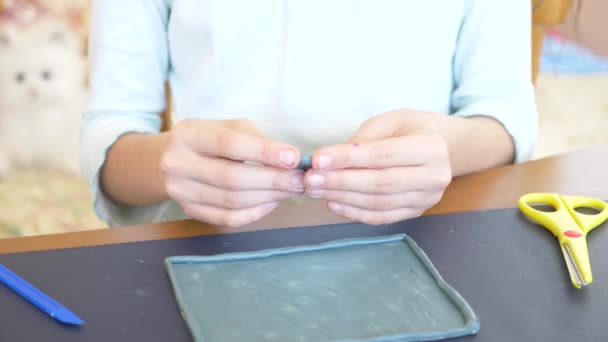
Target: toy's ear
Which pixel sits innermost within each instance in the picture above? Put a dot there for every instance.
(57, 37)
(4, 39)
(60, 37)
(7, 37)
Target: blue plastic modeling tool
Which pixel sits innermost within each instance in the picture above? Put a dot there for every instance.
(37, 298)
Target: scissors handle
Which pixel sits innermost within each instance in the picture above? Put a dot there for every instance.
(565, 217)
(557, 222)
(586, 221)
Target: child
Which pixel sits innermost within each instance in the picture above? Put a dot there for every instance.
(392, 99)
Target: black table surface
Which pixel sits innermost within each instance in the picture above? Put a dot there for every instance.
(510, 270)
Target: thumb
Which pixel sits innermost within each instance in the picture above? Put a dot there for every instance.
(288, 156)
(377, 128)
(395, 124)
(244, 126)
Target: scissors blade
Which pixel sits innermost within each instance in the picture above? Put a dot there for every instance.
(575, 274)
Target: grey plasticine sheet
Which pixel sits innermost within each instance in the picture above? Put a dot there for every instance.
(364, 289)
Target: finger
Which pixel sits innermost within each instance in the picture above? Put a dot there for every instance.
(399, 151)
(371, 216)
(383, 181)
(217, 140)
(189, 191)
(412, 199)
(231, 175)
(226, 217)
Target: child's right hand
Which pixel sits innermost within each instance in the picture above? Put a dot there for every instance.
(204, 171)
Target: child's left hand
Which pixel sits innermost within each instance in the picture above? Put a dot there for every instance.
(395, 167)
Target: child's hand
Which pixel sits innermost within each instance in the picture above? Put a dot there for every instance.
(204, 171)
(395, 167)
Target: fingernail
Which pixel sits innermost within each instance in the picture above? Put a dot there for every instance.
(297, 181)
(336, 208)
(324, 161)
(287, 157)
(315, 193)
(316, 180)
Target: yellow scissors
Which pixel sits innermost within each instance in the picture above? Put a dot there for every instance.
(569, 226)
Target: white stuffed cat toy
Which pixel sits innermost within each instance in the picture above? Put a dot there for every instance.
(42, 96)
